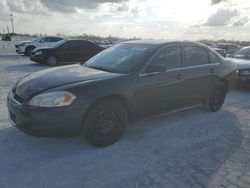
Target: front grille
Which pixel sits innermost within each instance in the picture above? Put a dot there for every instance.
(244, 72)
(16, 97)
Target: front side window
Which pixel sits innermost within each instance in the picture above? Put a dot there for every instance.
(195, 56)
(214, 59)
(45, 39)
(169, 57)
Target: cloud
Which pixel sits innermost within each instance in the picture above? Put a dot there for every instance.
(26, 6)
(241, 22)
(70, 6)
(217, 1)
(135, 10)
(222, 17)
(123, 8)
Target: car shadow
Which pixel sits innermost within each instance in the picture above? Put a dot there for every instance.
(26, 68)
(184, 149)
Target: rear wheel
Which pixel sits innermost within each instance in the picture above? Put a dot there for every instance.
(105, 123)
(52, 60)
(216, 98)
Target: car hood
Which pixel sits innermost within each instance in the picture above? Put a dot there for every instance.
(47, 79)
(241, 63)
(41, 49)
(22, 42)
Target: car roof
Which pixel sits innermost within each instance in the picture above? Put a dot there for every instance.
(50, 36)
(163, 42)
(78, 40)
(246, 47)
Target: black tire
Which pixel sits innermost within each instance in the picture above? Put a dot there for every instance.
(29, 50)
(51, 60)
(217, 97)
(105, 123)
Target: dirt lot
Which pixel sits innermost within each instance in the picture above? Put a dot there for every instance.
(192, 148)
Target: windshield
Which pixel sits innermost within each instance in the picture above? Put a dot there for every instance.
(121, 58)
(36, 39)
(57, 44)
(244, 51)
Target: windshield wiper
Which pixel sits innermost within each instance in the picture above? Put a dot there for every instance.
(100, 68)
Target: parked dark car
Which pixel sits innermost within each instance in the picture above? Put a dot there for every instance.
(66, 51)
(230, 48)
(125, 82)
(243, 53)
(221, 52)
(243, 66)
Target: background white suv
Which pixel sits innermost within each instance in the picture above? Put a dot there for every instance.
(27, 47)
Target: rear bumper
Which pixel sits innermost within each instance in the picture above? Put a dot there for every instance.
(66, 121)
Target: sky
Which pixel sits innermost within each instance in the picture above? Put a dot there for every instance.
(154, 19)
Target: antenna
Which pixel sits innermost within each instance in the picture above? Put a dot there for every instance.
(12, 23)
(8, 29)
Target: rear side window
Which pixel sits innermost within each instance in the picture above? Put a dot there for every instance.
(55, 39)
(214, 58)
(73, 45)
(195, 56)
(86, 45)
(170, 57)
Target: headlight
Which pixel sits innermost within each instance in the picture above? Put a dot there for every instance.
(38, 53)
(53, 99)
(23, 44)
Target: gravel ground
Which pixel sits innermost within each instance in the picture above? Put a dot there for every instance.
(191, 148)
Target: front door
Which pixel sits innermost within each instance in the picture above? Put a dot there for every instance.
(161, 91)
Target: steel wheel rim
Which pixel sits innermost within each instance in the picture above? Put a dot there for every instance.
(218, 97)
(106, 123)
(52, 60)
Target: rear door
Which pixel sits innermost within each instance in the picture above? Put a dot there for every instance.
(200, 73)
(71, 51)
(161, 91)
(87, 50)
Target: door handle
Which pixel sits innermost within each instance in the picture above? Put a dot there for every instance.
(212, 70)
(179, 76)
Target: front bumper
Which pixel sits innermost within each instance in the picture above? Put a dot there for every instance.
(19, 49)
(65, 121)
(244, 79)
(37, 58)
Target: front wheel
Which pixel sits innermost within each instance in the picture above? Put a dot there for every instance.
(52, 60)
(105, 124)
(29, 50)
(216, 98)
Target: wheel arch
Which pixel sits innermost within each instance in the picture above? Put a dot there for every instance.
(30, 46)
(116, 97)
(225, 82)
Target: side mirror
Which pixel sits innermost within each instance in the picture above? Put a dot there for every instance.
(155, 68)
